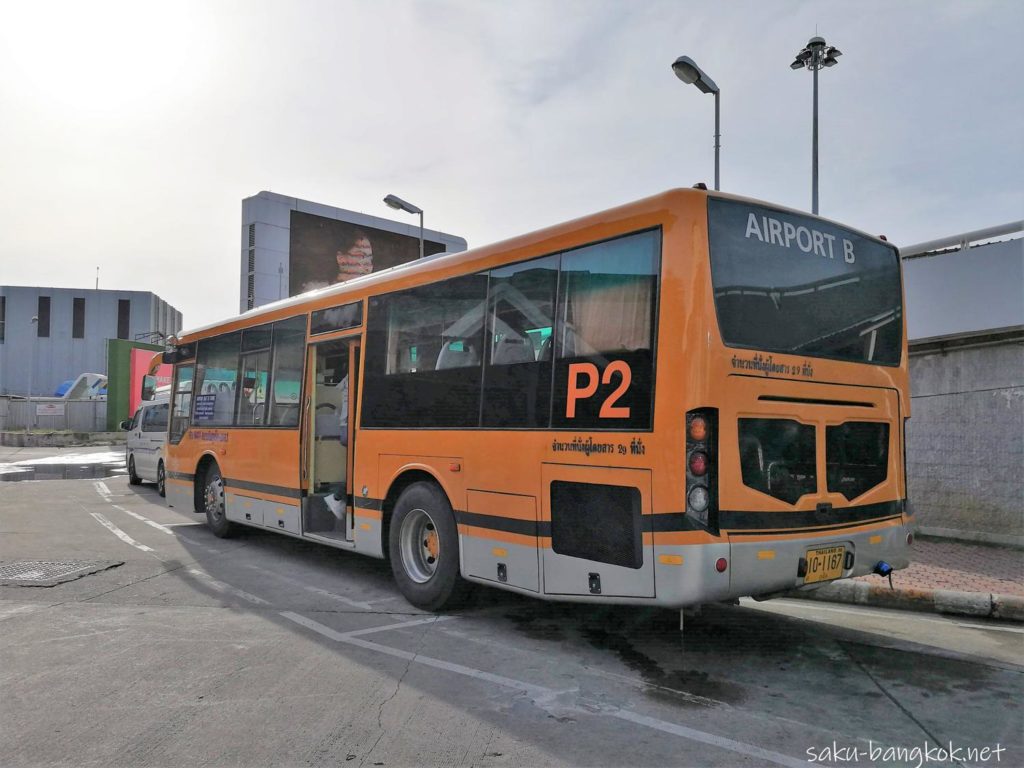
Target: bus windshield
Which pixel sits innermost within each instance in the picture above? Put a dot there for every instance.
(796, 284)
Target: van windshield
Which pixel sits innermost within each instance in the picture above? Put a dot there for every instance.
(800, 285)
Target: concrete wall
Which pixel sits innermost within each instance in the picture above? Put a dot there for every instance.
(60, 357)
(965, 439)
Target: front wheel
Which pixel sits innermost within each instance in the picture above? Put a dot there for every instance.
(161, 479)
(133, 476)
(423, 543)
(213, 501)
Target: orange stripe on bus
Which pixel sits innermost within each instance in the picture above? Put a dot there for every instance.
(369, 514)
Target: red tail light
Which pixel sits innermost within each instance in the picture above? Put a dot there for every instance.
(701, 477)
(721, 564)
(698, 463)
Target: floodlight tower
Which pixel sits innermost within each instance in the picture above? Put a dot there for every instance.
(815, 55)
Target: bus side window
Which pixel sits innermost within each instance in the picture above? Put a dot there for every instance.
(286, 378)
(182, 402)
(606, 311)
(520, 322)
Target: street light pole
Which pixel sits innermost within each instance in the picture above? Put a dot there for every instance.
(31, 368)
(686, 69)
(393, 201)
(718, 136)
(815, 55)
(421, 234)
(814, 148)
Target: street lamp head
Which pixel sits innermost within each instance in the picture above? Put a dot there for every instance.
(33, 320)
(816, 42)
(797, 64)
(393, 201)
(686, 69)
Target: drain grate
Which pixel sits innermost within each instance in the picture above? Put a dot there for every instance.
(49, 573)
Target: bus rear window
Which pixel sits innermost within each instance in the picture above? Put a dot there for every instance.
(800, 285)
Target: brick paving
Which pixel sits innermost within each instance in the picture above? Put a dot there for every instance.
(962, 567)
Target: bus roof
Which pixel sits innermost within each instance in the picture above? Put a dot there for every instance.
(607, 219)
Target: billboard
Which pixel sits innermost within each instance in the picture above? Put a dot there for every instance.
(325, 251)
(138, 367)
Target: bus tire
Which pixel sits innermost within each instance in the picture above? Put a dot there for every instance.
(213, 503)
(423, 543)
(161, 479)
(133, 478)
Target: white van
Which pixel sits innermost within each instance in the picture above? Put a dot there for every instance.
(147, 436)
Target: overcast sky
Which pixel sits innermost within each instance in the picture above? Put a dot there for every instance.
(130, 132)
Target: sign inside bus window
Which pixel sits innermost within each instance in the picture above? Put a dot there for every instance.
(784, 234)
(611, 391)
(583, 381)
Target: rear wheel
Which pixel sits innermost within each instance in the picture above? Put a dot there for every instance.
(213, 502)
(133, 477)
(424, 546)
(161, 479)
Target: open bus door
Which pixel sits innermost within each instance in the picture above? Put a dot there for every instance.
(329, 438)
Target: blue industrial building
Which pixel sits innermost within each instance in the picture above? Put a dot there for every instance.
(70, 332)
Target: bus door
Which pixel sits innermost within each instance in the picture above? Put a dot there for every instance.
(329, 439)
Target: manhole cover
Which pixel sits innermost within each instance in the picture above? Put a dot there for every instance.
(49, 573)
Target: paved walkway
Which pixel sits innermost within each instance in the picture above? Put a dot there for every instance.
(954, 565)
(944, 576)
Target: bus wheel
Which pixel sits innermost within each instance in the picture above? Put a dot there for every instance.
(133, 478)
(161, 479)
(213, 501)
(424, 548)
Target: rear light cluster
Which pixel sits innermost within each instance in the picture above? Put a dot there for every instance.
(701, 477)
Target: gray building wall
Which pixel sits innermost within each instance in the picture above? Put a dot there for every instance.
(965, 438)
(266, 231)
(60, 357)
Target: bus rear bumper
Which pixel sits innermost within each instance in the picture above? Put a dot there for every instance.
(770, 565)
(767, 564)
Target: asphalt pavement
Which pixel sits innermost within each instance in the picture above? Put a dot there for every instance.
(265, 650)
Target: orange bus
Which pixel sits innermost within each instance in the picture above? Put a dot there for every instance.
(686, 399)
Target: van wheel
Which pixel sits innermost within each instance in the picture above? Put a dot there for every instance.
(424, 546)
(213, 501)
(133, 478)
(161, 479)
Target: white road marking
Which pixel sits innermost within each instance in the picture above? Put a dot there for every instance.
(220, 586)
(400, 625)
(119, 533)
(101, 489)
(17, 610)
(1016, 630)
(543, 694)
(879, 612)
(146, 520)
(343, 637)
(709, 738)
(317, 590)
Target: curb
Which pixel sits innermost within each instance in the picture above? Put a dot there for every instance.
(948, 601)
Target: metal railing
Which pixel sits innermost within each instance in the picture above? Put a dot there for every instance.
(963, 240)
(17, 413)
